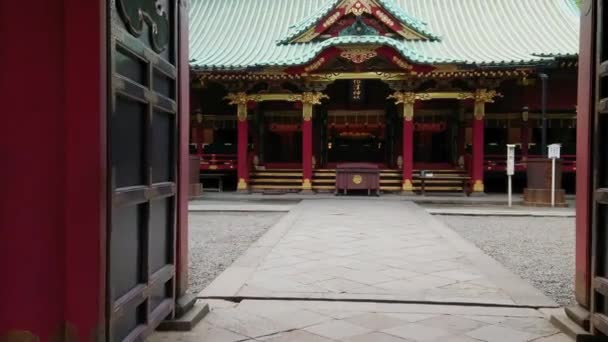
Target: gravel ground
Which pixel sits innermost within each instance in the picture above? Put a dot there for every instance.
(217, 239)
(540, 250)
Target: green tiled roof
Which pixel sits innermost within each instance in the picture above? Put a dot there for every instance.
(244, 34)
(390, 5)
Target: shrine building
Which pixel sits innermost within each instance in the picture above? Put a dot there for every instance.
(283, 91)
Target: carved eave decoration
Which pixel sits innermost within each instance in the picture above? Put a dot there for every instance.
(358, 9)
(398, 74)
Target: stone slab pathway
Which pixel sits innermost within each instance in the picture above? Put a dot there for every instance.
(370, 250)
(335, 270)
(314, 321)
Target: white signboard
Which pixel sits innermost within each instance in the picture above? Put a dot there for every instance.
(510, 160)
(554, 151)
(553, 154)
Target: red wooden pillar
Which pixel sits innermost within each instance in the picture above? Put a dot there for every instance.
(408, 146)
(183, 191)
(584, 162)
(242, 127)
(242, 138)
(478, 143)
(407, 99)
(309, 99)
(307, 147)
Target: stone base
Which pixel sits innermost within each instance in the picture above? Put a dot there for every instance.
(195, 190)
(187, 314)
(569, 327)
(477, 194)
(542, 197)
(579, 315)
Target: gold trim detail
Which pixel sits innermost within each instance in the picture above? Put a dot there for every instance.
(478, 186)
(357, 7)
(384, 18)
(332, 20)
(407, 185)
(312, 97)
(481, 97)
(316, 65)
(357, 179)
(401, 63)
(309, 99)
(240, 100)
(242, 185)
(358, 55)
(441, 72)
(306, 184)
(407, 99)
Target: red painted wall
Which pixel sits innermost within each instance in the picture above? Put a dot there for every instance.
(51, 150)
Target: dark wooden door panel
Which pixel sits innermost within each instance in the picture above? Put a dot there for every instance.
(142, 138)
(599, 300)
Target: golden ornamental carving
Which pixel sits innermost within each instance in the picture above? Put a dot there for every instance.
(481, 97)
(358, 55)
(486, 96)
(310, 99)
(306, 184)
(478, 186)
(401, 63)
(404, 97)
(408, 99)
(384, 18)
(238, 98)
(407, 186)
(358, 7)
(242, 185)
(331, 20)
(316, 65)
(357, 179)
(313, 98)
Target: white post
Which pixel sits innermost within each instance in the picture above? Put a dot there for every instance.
(510, 170)
(554, 153)
(552, 182)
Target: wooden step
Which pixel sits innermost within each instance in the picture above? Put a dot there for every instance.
(287, 181)
(274, 187)
(276, 174)
(323, 187)
(433, 182)
(390, 181)
(390, 188)
(324, 181)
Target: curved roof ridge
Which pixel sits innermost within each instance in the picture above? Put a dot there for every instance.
(474, 32)
(393, 8)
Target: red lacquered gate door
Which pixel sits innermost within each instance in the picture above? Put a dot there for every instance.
(599, 302)
(142, 158)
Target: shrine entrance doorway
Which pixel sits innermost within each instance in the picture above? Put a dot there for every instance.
(435, 138)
